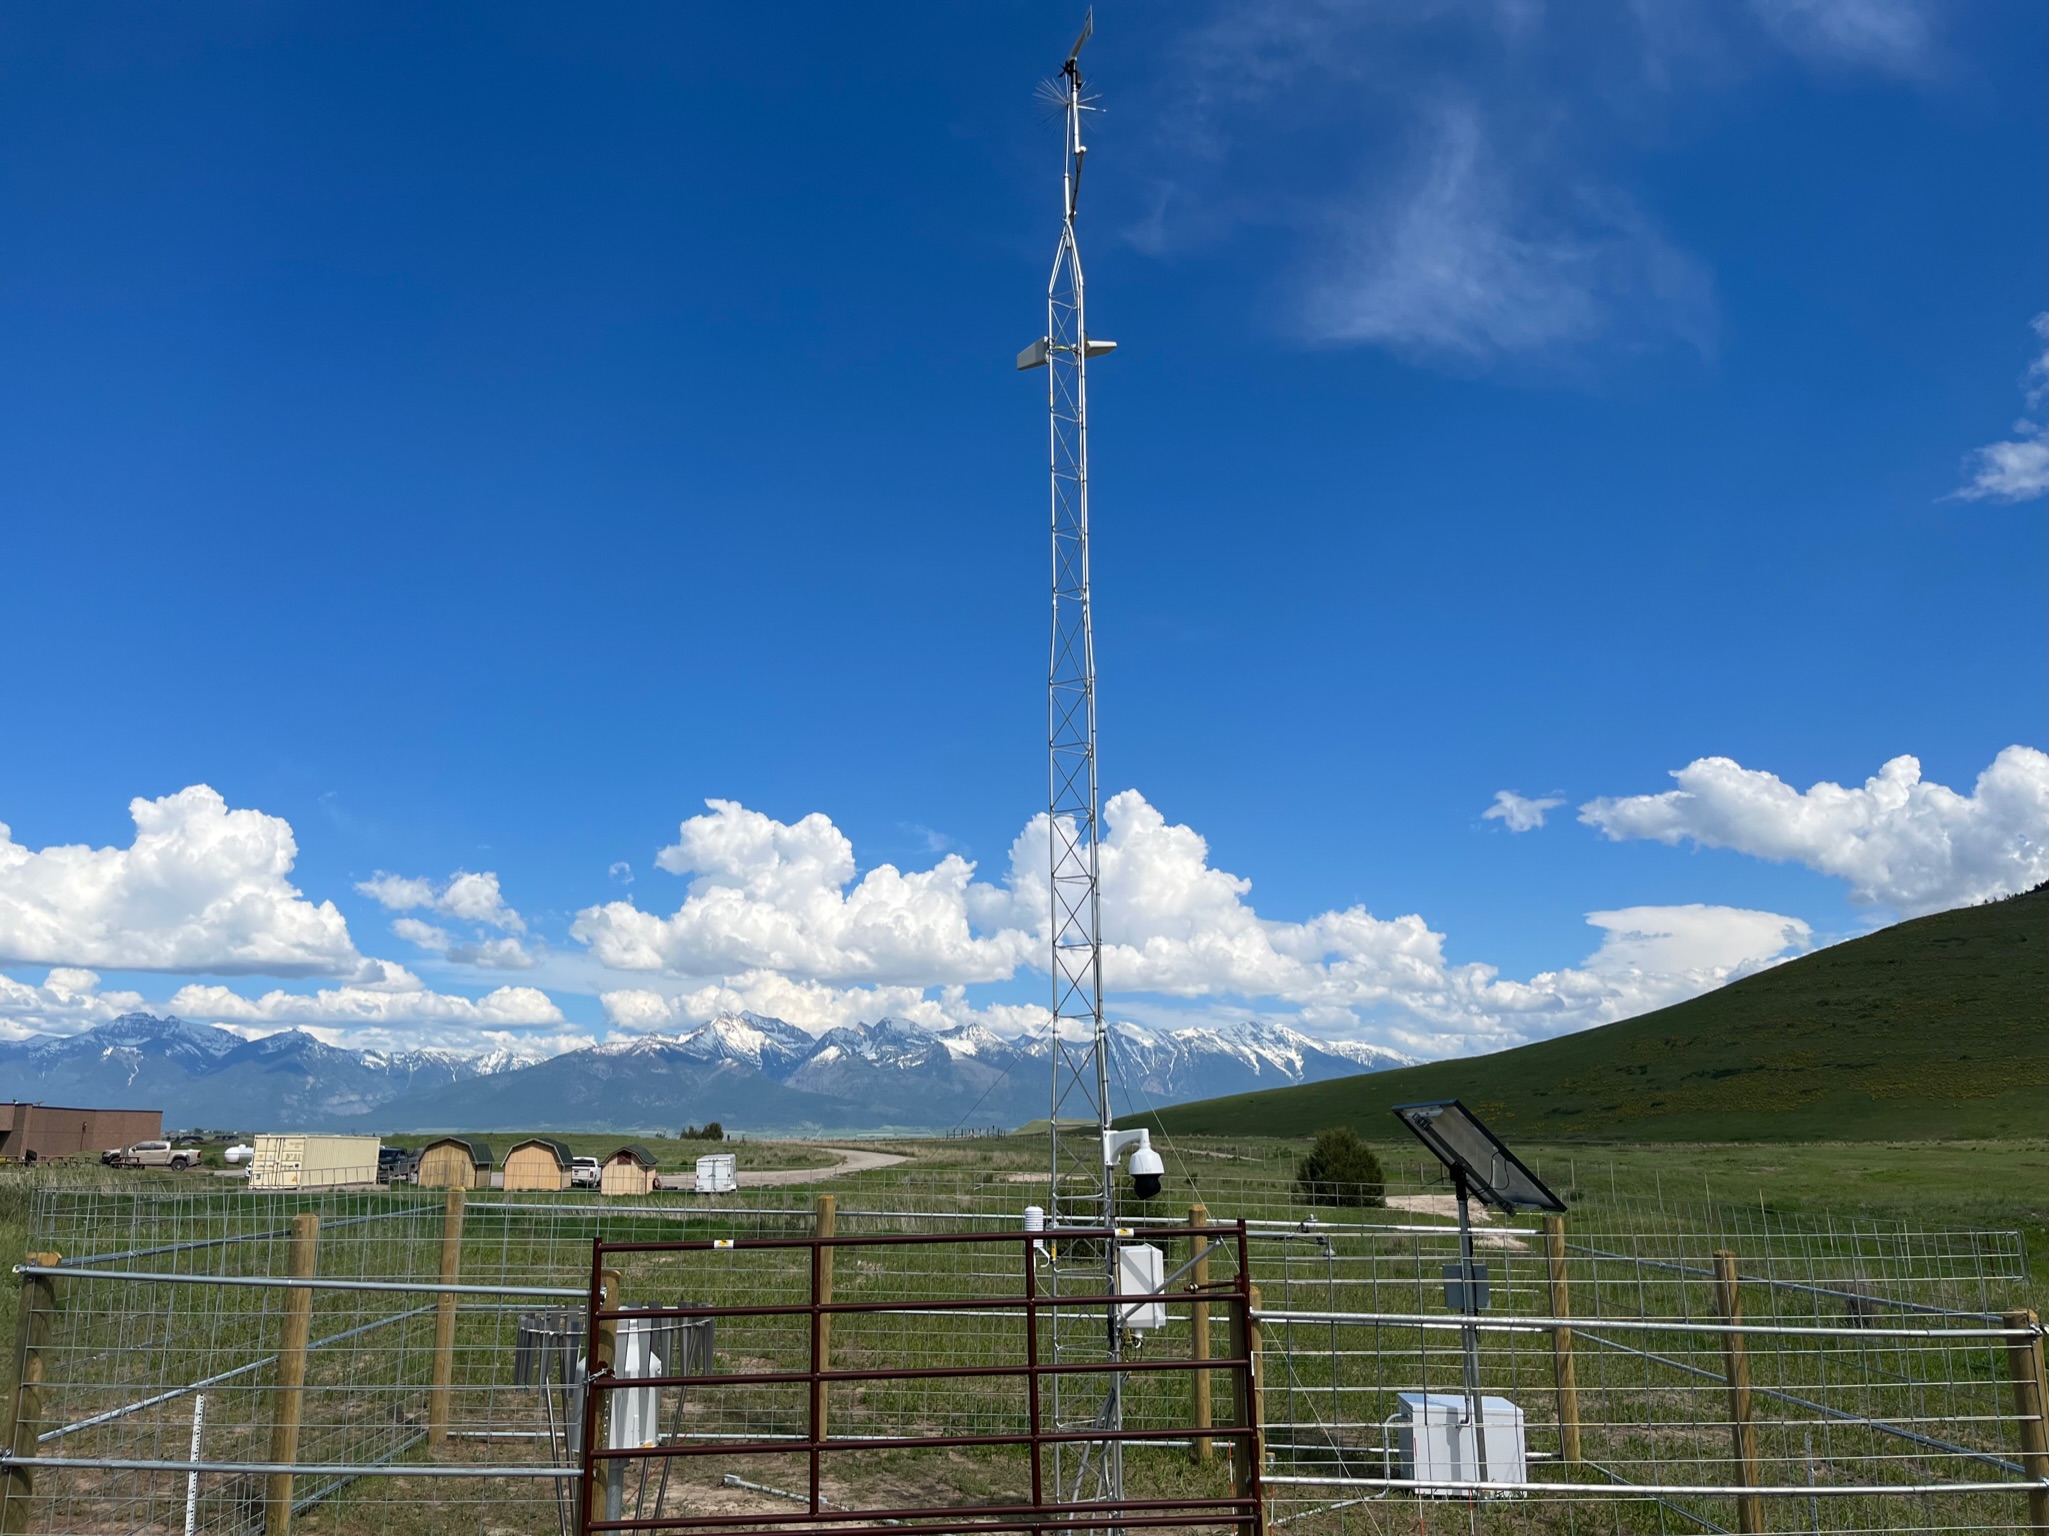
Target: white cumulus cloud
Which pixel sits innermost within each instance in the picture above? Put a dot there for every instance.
(355, 1007)
(475, 898)
(68, 1000)
(1517, 812)
(2017, 469)
(202, 888)
(1900, 841)
(469, 897)
(771, 896)
(776, 922)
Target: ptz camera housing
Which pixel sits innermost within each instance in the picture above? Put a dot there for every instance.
(1147, 1171)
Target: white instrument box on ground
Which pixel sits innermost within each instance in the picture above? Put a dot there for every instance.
(1435, 1439)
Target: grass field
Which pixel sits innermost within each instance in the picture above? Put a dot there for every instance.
(1959, 1184)
(1928, 1030)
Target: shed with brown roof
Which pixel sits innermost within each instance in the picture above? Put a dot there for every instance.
(539, 1162)
(628, 1171)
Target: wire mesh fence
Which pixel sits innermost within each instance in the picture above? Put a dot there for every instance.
(397, 1360)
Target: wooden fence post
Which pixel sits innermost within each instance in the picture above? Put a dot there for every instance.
(290, 1395)
(1736, 1365)
(827, 1224)
(1198, 1331)
(440, 1397)
(597, 1416)
(2030, 1404)
(25, 1407)
(1562, 1367)
(1248, 1452)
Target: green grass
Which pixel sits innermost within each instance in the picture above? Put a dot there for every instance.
(1932, 1185)
(1928, 1030)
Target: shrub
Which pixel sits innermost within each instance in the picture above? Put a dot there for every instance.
(1340, 1170)
(711, 1131)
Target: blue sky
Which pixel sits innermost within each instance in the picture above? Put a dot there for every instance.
(470, 440)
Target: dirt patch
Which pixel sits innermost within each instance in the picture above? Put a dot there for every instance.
(1447, 1207)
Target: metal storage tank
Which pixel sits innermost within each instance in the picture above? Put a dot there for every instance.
(629, 1171)
(292, 1160)
(454, 1162)
(539, 1162)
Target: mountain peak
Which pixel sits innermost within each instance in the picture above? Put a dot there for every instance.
(143, 1029)
(749, 1070)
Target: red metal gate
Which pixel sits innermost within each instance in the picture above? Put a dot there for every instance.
(767, 1394)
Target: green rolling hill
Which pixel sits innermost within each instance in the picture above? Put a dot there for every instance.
(1930, 1029)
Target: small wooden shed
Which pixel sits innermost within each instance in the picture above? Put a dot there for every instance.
(629, 1171)
(455, 1162)
(539, 1162)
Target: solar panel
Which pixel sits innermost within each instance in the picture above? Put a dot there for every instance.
(1467, 1147)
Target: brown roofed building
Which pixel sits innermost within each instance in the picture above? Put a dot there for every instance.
(539, 1162)
(454, 1162)
(629, 1171)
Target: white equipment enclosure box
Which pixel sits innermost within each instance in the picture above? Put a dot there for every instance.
(313, 1162)
(716, 1174)
(1140, 1270)
(1433, 1439)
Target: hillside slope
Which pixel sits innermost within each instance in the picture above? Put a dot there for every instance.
(1928, 1029)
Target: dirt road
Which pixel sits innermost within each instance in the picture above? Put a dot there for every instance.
(851, 1160)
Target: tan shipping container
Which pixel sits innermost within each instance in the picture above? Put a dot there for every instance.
(294, 1161)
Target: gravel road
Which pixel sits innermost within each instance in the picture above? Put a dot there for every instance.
(851, 1160)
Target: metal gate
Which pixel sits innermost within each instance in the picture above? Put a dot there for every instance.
(898, 1381)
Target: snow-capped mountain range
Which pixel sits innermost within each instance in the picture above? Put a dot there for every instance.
(745, 1070)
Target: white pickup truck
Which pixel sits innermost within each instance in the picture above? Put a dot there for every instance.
(153, 1154)
(585, 1173)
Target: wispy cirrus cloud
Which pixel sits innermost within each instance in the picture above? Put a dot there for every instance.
(1457, 183)
(1470, 259)
(1895, 37)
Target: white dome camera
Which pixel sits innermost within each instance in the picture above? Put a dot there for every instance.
(1146, 1168)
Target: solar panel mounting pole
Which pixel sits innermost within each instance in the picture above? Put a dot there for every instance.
(1469, 1335)
(1082, 1190)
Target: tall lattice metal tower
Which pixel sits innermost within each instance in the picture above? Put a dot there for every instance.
(1082, 1194)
